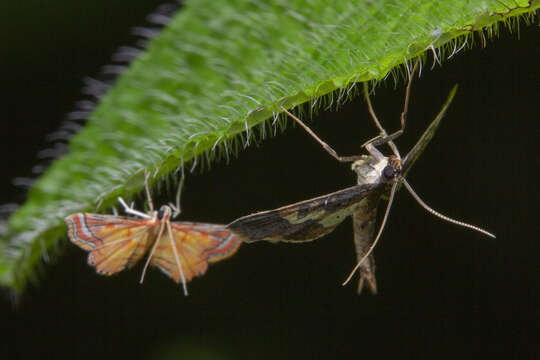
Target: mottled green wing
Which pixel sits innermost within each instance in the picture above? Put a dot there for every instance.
(303, 221)
(424, 140)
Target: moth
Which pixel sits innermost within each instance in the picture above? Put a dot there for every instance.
(181, 250)
(378, 176)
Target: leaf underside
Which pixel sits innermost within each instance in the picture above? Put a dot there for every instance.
(219, 69)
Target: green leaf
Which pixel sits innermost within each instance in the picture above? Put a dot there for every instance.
(219, 69)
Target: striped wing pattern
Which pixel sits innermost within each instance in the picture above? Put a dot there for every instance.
(114, 242)
(117, 242)
(196, 244)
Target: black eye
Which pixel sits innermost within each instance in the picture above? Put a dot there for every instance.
(389, 172)
(160, 214)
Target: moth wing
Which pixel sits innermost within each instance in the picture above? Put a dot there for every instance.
(303, 221)
(196, 244)
(426, 137)
(114, 242)
(364, 219)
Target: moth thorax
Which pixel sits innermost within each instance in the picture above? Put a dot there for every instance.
(370, 169)
(164, 213)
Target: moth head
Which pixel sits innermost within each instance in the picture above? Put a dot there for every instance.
(393, 169)
(164, 213)
(377, 169)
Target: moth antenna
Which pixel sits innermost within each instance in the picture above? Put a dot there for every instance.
(370, 250)
(446, 218)
(130, 210)
(147, 189)
(161, 228)
(178, 262)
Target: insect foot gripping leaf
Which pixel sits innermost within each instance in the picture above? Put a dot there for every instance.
(378, 175)
(181, 250)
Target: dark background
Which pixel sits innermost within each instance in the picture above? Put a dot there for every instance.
(445, 292)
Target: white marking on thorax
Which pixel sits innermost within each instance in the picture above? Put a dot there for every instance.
(369, 169)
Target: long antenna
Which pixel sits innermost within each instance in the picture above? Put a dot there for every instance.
(177, 258)
(446, 218)
(161, 228)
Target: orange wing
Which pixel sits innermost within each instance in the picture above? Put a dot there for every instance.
(114, 242)
(196, 244)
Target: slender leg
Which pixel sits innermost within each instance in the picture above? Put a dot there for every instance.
(403, 116)
(147, 188)
(176, 207)
(384, 138)
(371, 111)
(323, 144)
(373, 151)
(130, 210)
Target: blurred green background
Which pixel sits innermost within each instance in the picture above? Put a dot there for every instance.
(445, 292)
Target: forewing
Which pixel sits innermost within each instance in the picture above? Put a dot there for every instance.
(196, 244)
(114, 242)
(364, 219)
(303, 221)
(426, 137)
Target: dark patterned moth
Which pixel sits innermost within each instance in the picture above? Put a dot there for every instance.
(378, 176)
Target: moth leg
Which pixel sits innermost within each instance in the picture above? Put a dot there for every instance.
(130, 210)
(322, 143)
(383, 137)
(176, 207)
(147, 189)
(373, 151)
(403, 116)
